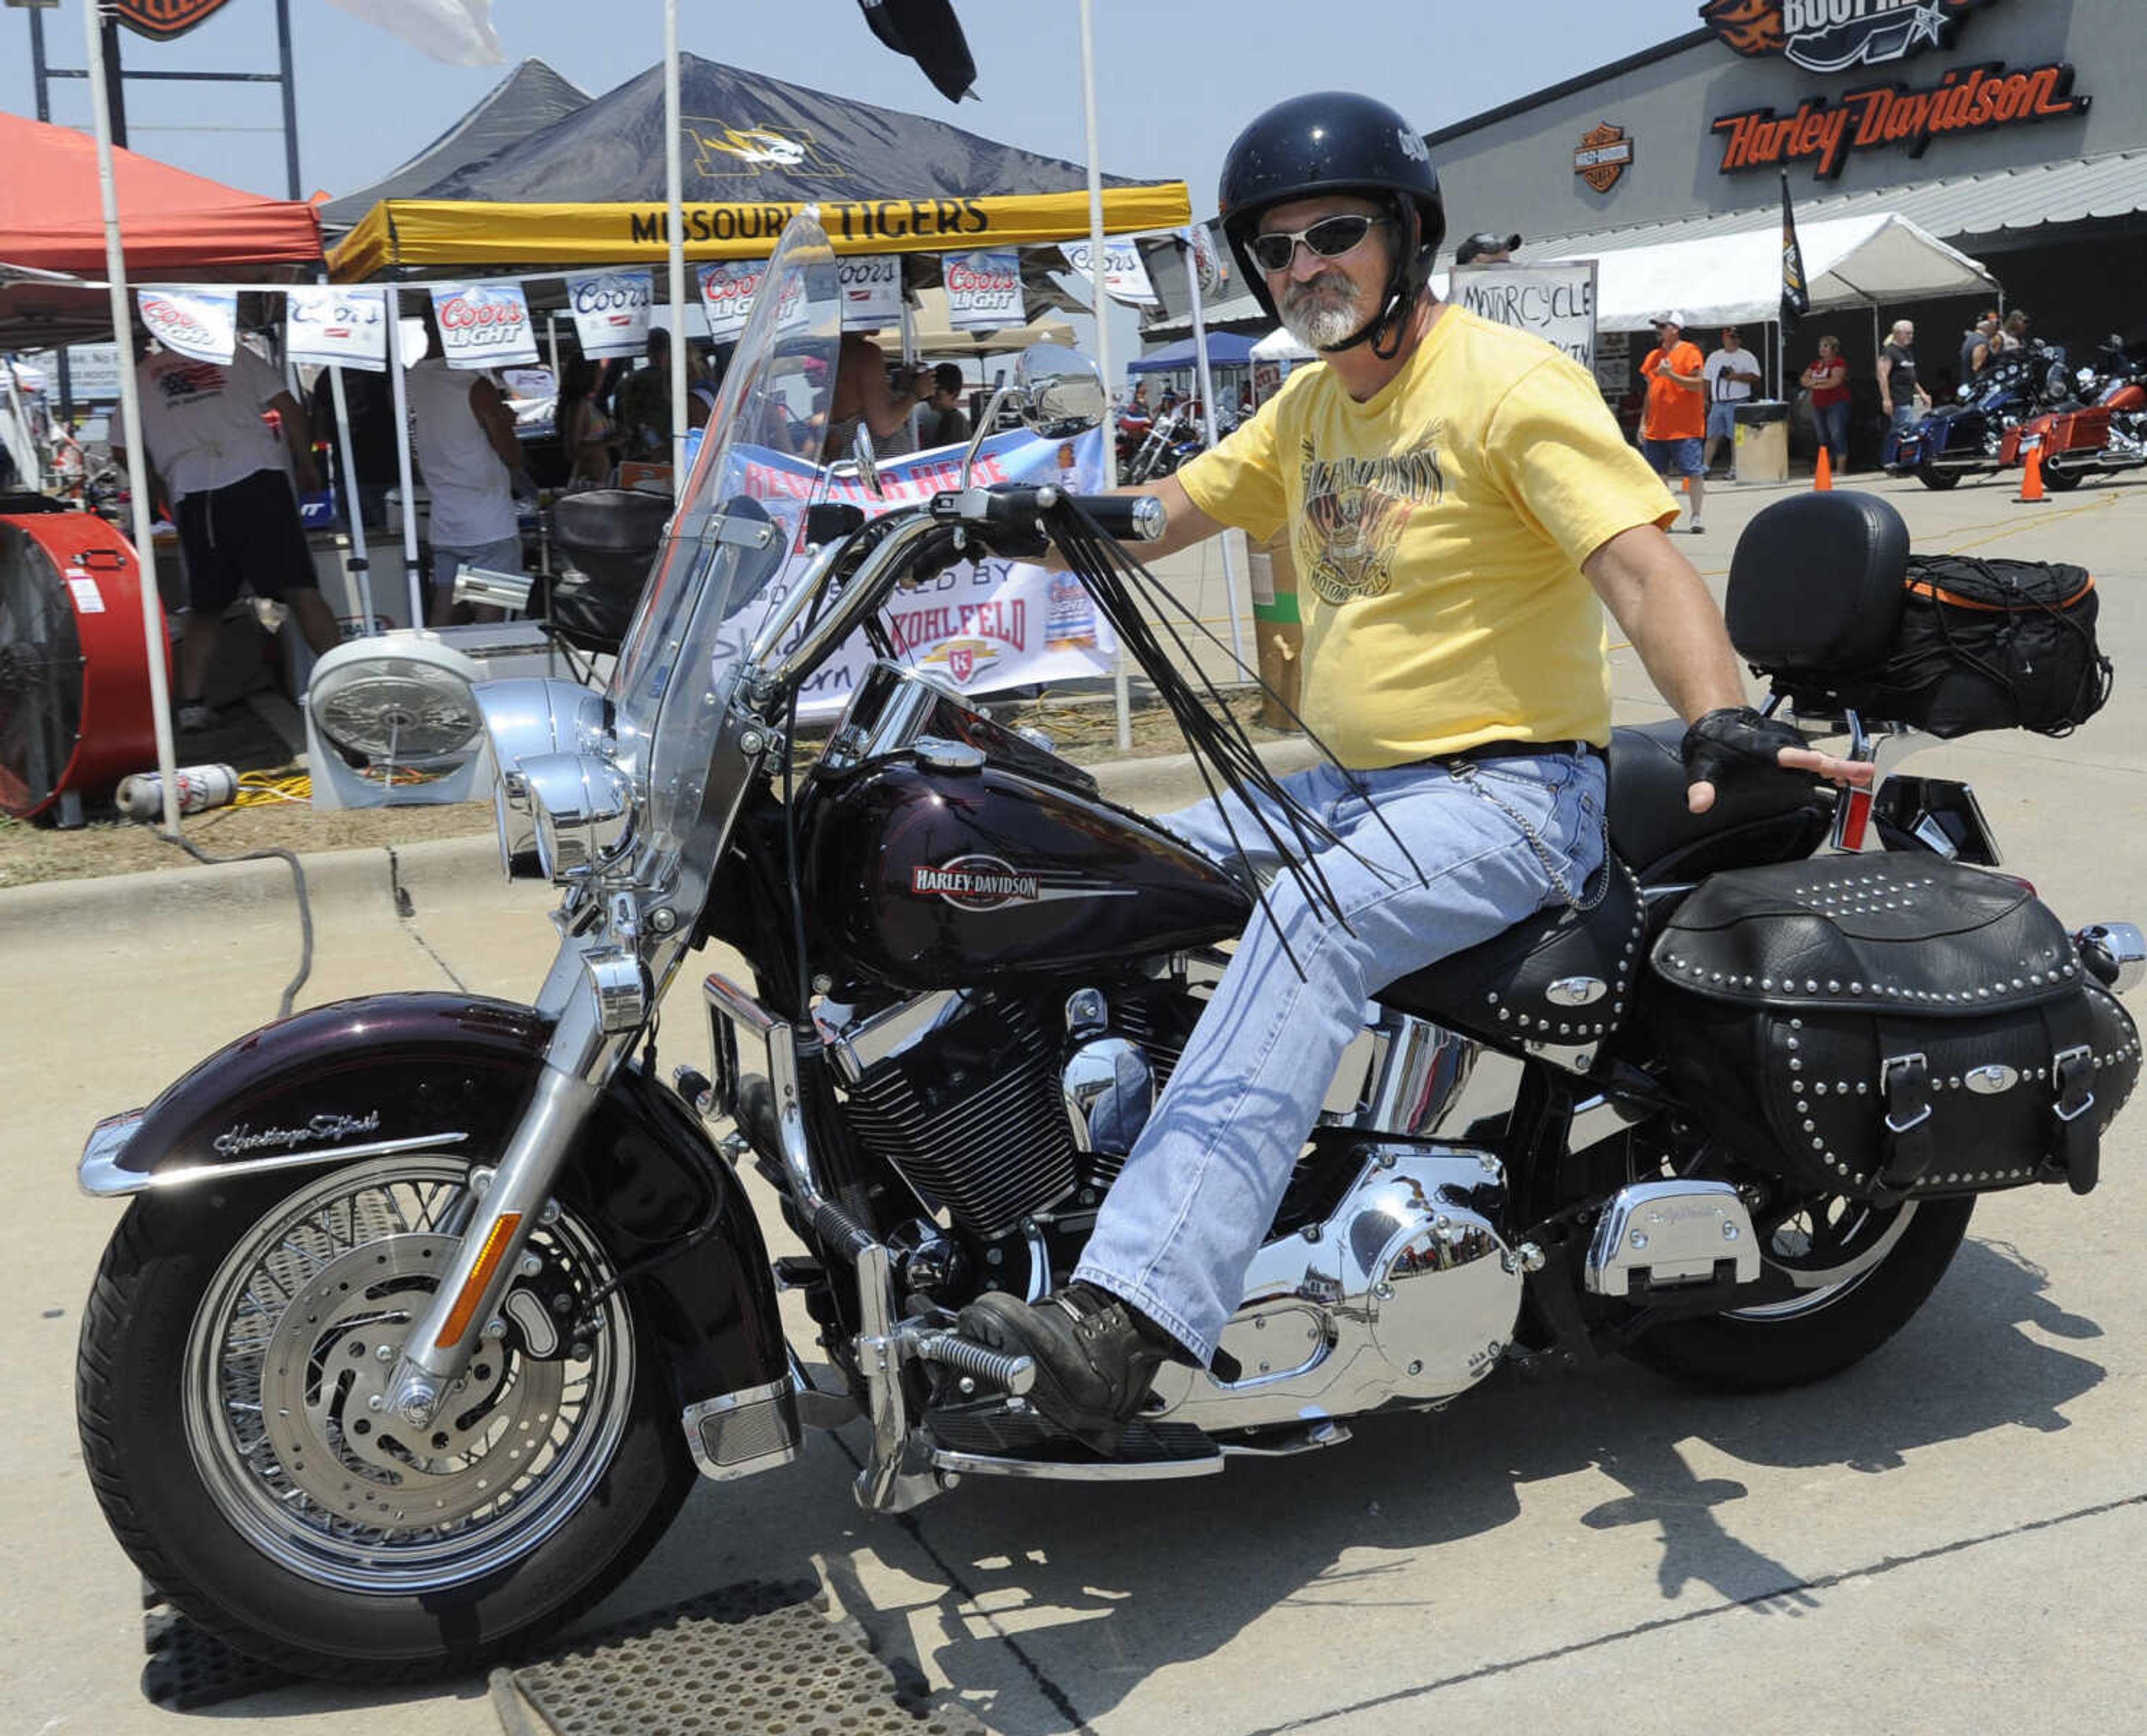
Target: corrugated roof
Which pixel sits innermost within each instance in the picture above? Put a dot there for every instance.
(1987, 204)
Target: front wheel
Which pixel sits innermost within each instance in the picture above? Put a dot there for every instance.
(1837, 1278)
(230, 1392)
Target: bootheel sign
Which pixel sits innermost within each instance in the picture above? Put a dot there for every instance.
(983, 290)
(484, 325)
(611, 312)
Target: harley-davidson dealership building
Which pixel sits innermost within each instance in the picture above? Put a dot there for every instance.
(2014, 131)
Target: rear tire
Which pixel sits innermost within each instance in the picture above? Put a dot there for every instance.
(2058, 479)
(1931, 476)
(1815, 1330)
(228, 1346)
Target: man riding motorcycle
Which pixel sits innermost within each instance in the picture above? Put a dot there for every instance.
(1454, 489)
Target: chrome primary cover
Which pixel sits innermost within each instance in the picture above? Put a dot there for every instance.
(1408, 1291)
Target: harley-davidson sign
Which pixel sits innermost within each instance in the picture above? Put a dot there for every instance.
(1831, 35)
(161, 20)
(1968, 99)
(1604, 153)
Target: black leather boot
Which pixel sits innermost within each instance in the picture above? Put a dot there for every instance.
(1095, 1356)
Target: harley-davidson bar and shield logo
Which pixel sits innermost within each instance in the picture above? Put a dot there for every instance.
(1604, 154)
(1831, 35)
(161, 20)
(989, 882)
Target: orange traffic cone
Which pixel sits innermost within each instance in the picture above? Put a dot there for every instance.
(1822, 477)
(2031, 478)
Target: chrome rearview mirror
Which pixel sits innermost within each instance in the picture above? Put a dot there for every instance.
(1062, 391)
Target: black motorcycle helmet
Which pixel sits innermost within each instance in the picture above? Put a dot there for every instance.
(1336, 141)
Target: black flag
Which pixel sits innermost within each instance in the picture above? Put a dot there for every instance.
(930, 33)
(1796, 298)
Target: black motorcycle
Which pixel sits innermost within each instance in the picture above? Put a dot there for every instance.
(428, 1309)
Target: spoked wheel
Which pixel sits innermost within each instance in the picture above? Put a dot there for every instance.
(1837, 1278)
(232, 1398)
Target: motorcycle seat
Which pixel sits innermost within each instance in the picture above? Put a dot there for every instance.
(1530, 981)
(1561, 976)
(610, 536)
(1761, 816)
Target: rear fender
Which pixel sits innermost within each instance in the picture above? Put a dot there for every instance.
(451, 1074)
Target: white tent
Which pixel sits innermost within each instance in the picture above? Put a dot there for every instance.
(1279, 346)
(1849, 262)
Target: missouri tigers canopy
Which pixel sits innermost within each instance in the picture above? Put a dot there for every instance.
(589, 189)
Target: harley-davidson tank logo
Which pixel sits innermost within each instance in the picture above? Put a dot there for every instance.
(1603, 156)
(161, 20)
(235, 1140)
(1830, 35)
(987, 883)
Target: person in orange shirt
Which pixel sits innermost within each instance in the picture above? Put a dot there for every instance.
(1674, 425)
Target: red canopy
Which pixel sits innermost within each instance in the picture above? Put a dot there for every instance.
(175, 225)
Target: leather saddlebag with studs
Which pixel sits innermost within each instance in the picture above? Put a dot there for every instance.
(1889, 1027)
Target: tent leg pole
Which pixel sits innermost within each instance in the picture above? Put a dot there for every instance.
(354, 506)
(674, 180)
(1203, 370)
(406, 482)
(1120, 688)
(130, 409)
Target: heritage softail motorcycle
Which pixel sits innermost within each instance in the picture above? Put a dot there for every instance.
(426, 1308)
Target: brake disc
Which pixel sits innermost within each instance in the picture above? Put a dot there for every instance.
(324, 1374)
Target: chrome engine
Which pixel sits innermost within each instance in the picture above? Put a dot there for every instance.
(1406, 1292)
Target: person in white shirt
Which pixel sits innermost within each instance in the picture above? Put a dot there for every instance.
(462, 436)
(1733, 376)
(216, 462)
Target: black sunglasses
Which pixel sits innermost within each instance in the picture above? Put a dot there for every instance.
(1329, 239)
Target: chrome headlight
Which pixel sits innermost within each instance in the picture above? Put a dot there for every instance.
(584, 808)
(527, 716)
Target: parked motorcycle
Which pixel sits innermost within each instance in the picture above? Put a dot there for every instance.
(1173, 437)
(1967, 437)
(2104, 432)
(428, 1308)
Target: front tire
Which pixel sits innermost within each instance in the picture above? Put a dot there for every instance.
(231, 1352)
(1841, 1278)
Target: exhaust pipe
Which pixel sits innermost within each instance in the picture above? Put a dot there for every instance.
(2115, 953)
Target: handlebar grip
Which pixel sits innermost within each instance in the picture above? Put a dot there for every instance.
(1128, 518)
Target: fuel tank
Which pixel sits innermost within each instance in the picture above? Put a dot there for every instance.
(931, 878)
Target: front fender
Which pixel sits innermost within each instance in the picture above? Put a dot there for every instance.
(450, 1072)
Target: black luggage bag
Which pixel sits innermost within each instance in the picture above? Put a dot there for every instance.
(1886, 1026)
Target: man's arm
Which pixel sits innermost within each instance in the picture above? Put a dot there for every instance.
(298, 434)
(1664, 608)
(1886, 383)
(497, 421)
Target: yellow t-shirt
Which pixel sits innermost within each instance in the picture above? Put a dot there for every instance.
(1439, 529)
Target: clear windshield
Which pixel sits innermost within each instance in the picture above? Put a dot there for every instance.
(739, 519)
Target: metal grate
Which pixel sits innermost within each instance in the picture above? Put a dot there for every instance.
(756, 1659)
(190, 1668)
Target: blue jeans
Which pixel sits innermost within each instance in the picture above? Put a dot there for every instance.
(1493, 843)
(1832, 422)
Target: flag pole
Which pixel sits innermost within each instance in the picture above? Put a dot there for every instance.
(1204, 372)
(130, 409)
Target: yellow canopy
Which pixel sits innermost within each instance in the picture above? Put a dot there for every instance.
(467, 234)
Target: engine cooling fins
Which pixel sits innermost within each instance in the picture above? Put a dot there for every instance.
(1222, 752)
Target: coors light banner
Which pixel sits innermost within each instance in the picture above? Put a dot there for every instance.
(332, 327)
(611, 312)
(983, 290)
(484, 325)
(727, 292)
(201, 323)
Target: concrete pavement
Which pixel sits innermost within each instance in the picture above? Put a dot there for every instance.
(1950, 1536)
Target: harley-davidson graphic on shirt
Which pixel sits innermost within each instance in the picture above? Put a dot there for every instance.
(1354, 510)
